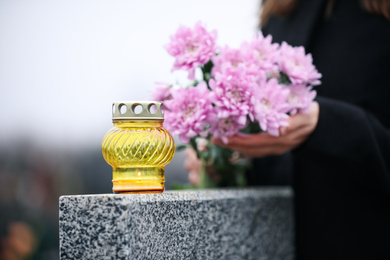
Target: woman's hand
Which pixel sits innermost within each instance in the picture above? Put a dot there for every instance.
(193, 166)
(262, 144)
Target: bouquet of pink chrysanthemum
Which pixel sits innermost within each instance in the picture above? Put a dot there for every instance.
(246, 90)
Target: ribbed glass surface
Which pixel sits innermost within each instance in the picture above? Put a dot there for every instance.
(138, 152)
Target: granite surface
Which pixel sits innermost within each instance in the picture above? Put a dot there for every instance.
(254, 223)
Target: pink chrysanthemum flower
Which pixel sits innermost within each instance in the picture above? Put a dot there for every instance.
(232, 94)
(300, 98)
(227, 127)
(261, 52)
(189, 113)
(231, 59)
(271, 106)
(226, 59)
(192, 48)
(298, 66)
(162, 92)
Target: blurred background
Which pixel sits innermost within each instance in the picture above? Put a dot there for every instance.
(62, 64)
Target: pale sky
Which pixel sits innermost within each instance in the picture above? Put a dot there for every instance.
(63, 63)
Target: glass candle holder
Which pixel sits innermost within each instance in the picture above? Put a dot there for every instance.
(138, 147)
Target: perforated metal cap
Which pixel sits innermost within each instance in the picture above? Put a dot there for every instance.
(137, 110)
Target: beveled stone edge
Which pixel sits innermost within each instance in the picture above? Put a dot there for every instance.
(195, 194)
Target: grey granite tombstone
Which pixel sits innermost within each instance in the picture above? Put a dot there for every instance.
(252, 223)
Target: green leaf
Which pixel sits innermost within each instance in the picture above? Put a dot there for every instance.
(195, 147)
(252, 128)
(207, 67)
(181, 186)
(284, 79)
(181, 147)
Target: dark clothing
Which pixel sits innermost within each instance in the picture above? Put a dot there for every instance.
(341, 174)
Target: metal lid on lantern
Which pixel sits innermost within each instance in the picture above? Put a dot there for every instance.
(137, 110)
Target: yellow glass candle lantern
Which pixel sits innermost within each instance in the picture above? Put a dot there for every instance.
(138, 147)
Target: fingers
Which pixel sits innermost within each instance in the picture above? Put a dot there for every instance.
(283, 130)
(260, 152)
(260, 145)
(194, 177)
(246, 140)
(263, 144)
(301, 120)
(282, 145)
(193, 166)
(191, 162)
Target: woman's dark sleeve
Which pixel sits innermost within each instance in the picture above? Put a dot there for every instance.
(353, 138)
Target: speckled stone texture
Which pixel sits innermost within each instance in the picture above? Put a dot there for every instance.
(254, 223)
